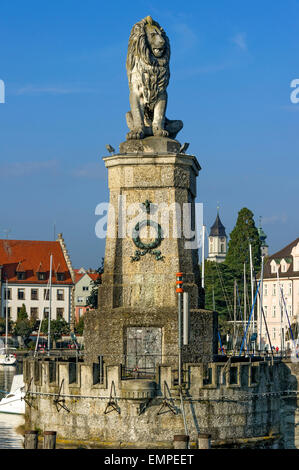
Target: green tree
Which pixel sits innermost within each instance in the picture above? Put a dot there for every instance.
(22, 313)
(92, 300)
(219, 287)
(79, 327)
(58, 328)
(243, 234)
(3, 326)
(23, 326)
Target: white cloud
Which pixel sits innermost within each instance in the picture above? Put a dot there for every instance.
(187, 36)
(53, 90)
(274, 219)
(240, 41)
(18, 169)
(91, 170)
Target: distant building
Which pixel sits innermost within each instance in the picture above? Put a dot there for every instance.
(281, 270)
(263, 237)
(83, 287)
(24, 279)
(217, 241)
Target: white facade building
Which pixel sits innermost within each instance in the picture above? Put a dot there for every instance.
(24, 279)
(280, 297)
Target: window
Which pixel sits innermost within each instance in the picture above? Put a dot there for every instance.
(85, 288)
(34, 294)
(21, 275)
(265, 289)
(290, 310)
(274, 289)
(46, 313)
(8, 312)
(60, 294)
(60, 276)
(290, 289)
(7, 294)
(41, 276)
(274, 333)
(46, 294)
(265, 310)
(59, 313)
(222, 248)
(21, 294)
(274, 311)
(283, 268)
(33, 313)
(79, 299)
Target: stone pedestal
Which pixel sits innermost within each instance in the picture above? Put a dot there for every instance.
(149, 178)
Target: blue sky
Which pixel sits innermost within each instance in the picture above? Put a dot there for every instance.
(63, 64)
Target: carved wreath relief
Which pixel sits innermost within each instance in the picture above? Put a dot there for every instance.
(145, 248)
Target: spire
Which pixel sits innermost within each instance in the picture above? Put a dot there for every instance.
(217, 229)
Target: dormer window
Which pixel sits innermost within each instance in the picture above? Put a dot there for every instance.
(60, 275)
(21, 275)
(41, 276)
(20, 272)
(273, 267)
(41, 273)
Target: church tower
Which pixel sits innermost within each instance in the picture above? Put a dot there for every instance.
(263, 237)
(217, 241)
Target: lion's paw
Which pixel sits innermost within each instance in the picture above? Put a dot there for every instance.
(160, 133)
(135, 135)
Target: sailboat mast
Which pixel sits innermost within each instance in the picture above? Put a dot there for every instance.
(203, 257)
(245, 300)
(50, 306)
(281, 312)
(251, 280)
(6, 316)
(261, 303)
(235, 314)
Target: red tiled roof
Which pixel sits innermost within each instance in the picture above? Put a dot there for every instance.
(78, 276)
(94, 276)
(32, 255)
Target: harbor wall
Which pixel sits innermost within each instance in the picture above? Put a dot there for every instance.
(243, 404)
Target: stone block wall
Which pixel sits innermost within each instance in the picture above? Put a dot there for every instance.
(239, 404)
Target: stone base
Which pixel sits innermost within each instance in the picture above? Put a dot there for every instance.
(153, 144)
(105, 334)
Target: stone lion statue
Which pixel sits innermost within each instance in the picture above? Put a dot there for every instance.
(148, 74)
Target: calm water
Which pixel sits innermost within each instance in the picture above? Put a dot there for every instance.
(9, 438)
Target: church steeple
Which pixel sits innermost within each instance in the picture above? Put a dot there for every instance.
(217, 241)
(263, 237)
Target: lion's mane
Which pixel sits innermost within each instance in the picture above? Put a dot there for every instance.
(152, 73)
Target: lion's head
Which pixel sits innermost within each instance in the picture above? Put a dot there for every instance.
(148, 45)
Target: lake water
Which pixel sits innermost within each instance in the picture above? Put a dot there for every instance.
(9, 437)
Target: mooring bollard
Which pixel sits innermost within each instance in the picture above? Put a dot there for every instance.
(30, 439)
(49, 439)
(180, 441)
(204, 441)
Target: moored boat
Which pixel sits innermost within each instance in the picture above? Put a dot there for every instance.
(14, 402)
